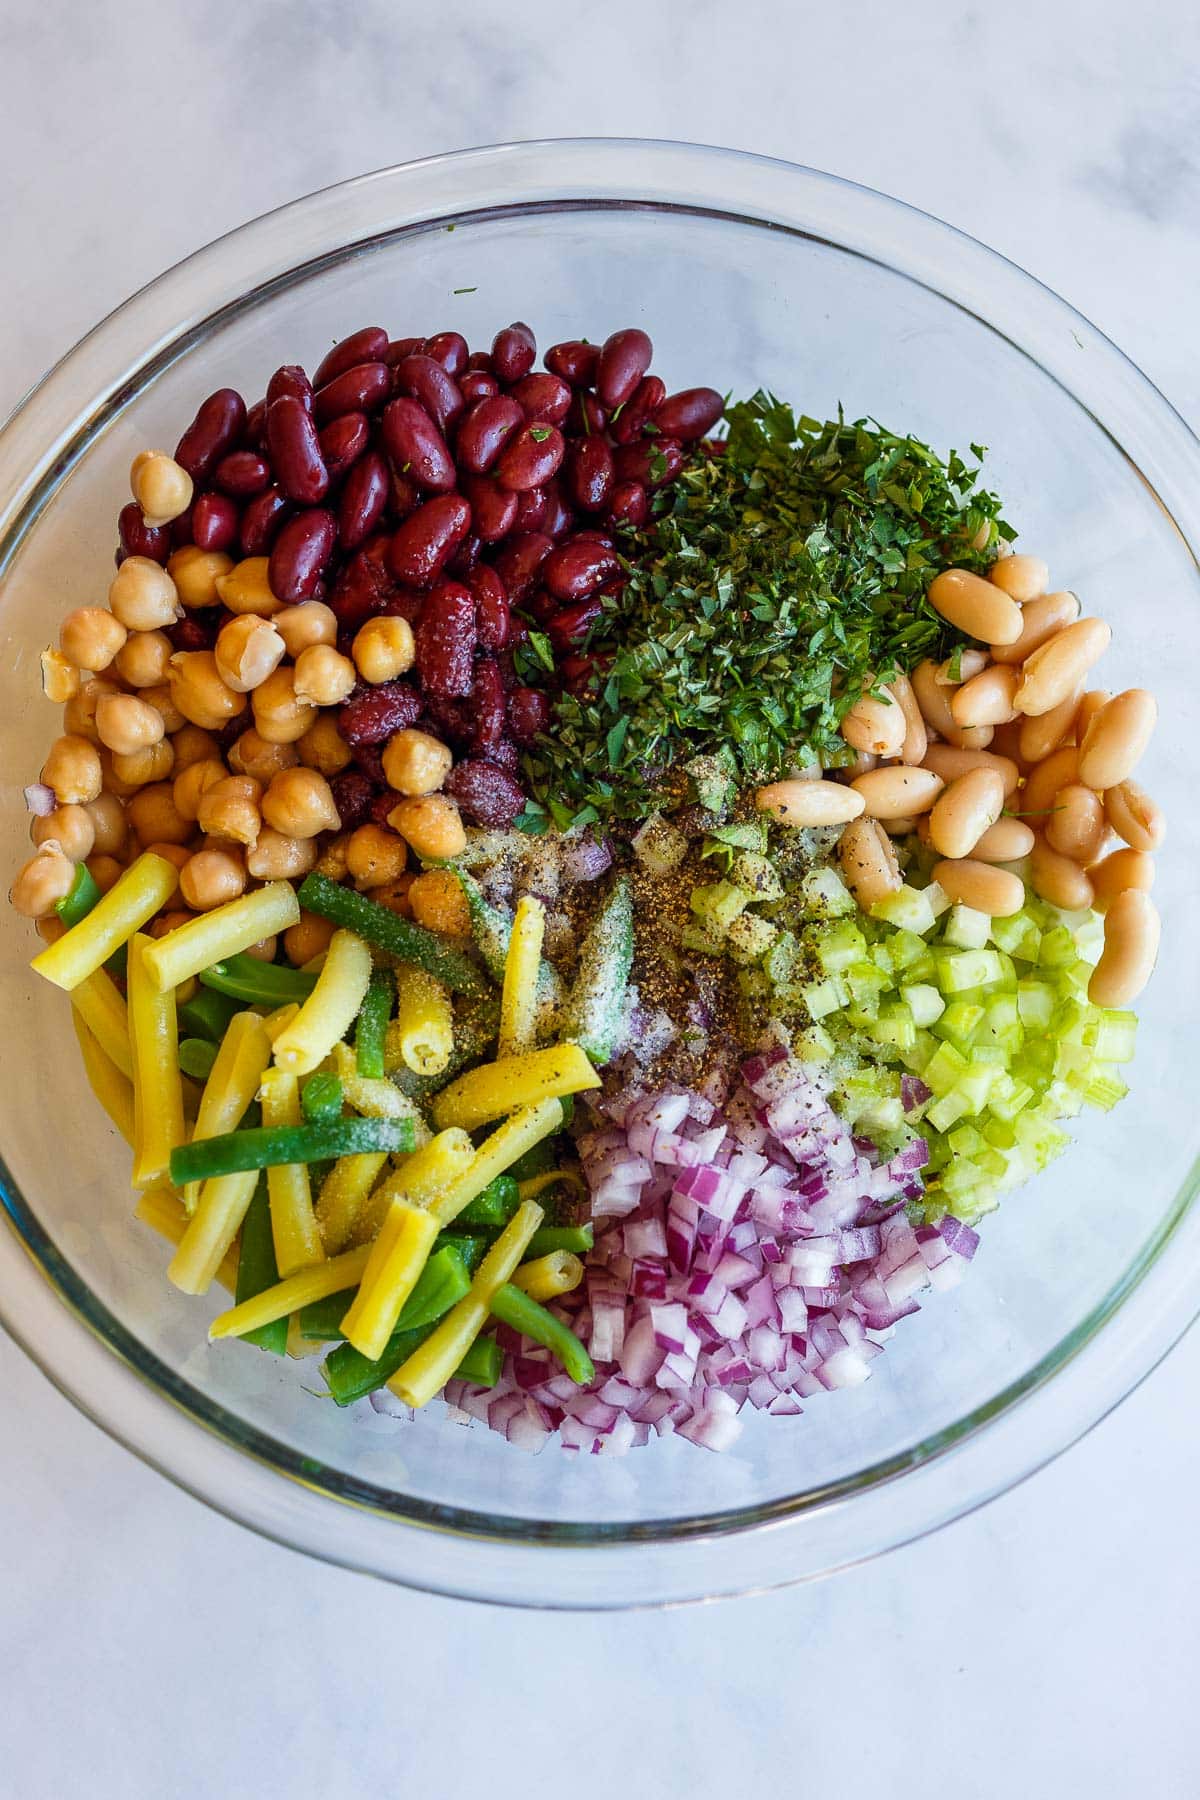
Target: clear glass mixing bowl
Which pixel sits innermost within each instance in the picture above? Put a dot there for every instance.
(747, 273)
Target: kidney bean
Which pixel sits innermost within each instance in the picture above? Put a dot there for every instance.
(404, 603)
(181, 529)
(290, 382)
(581, 672)
(353, 792)
(343, 441)
(215, 520)
(513, 352)
(261, 522)
(544, 399)
(360, 389)
(374, 714)
(381, 805)
(593, 534)
(531, 510)
(493, 508)
(578, 568)
(215, 429)
(484, 431)
(480, 361)
(363, 587)
(487, 795)
(585, 415)
(300, 470)
(487, 700)
(628, 504)
(406, 495)
(624, 359)
(445, 638)
(450, 349)
(542, 605)
(423, 379)
(242, 474)
(368, 345)
(518, 560)
(368, 758)
(300, 553)
(588, 473)
(653, 461)
(568, 628)
(518, 634)
(399, 348)
(255, 432)
(530, 457)
(528, 713)
(451, 720)
(140, 539)
(630, 423)
(690, 414)
(363, 501)
(558, 518)
(476, 384)
(492, 615)
(428, 539)
(465, 557)
(198, 631)
(505, 755)
(574, 361)
(416, 446)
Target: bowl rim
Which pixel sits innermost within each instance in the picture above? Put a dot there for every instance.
(46, 435)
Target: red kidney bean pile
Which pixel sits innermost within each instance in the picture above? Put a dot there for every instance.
(467, 492)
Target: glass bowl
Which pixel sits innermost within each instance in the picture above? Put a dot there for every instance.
(747, 273)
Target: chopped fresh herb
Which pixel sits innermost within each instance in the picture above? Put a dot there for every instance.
(533, 820)
(540, 644)
(539, 433)
(954, 665)
(473, 290)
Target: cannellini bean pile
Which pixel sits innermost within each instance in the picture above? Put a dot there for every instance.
(1003, 760)
(148, 759)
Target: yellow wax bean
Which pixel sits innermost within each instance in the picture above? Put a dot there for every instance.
(397, 1257)
(548, 1276)
(294, 1228)
(430, 1366)
(518, 998)
(110, 1086)
(497, 1153)
(225, 931)
(142, 891)
(278, 1021)
(422, 1033)
(344, 1194)
(515, 1081)
(157, 1088)
(99, 1004)
(420, 1178)
(537, 1184)
(223, 1204)
(161, 1208)
(289, 1296)
(232, 1083)
(330, 1009)
(376, 1099)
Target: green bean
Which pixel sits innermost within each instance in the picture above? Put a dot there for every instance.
(482, 1364)
(269, 1146)
(196, 1057)
(372, 1025)
(494, 1207)
(538, 1161)
(516, 1309)
(576, 1238)
(321, 1320)
(470, 1247)
(83, 895)
(258, 983)
(438, 1286)
(321, 1098)
(411, 943)
(257, 1269)
(442, 1284)
(207, 1014)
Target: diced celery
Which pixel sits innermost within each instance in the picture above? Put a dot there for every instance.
(881, 956)
(936, 898)
(757, 875)
(907, 949)
(1019, 935)
(961, 970)
(824, 890)
(1057, 948)
(910, 908)
(717, 904)
(1114, 1037)
(748, 937)
(966, 928)
(1104, 1089)
(864, 981)
(944, 1111)
(1035, 1003)
(998, 1132)
(779, 965)
(943, 1069)
(964, 1140)
(840, 946)
(823, 997)
(1002, 1024)
(894, 1025)
(695, 937)
(1008, 1098)
(976, 1085)
(812, 1046)
(924, 1003)
(881, 1114)
(958, 1023)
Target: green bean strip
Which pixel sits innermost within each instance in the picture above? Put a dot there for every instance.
(442, 1276)
(482, 1364)
(79, 902)
(372, 1025)
(321, 1320)
(576, 1238)
(350, 1374)
(196, 1057)
(321, 1098)
(471, 1248)
(411, 943)
(258, 983)
(268, 1146)
(257, 1269)
(207, 1014)
(514, 1308)
(494, 1207)
(538, 1161)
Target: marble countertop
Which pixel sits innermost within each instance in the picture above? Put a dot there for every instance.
(1043, 1646)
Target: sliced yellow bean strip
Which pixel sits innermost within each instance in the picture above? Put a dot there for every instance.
(225, 931)
(289, 1296)
(99, 1004)
(497, 1153)
(232, 1083)
(398, 1255)
(157, 1089)
(501, 1087)
(161, 1208)
(142, 890)
(330, 1009)
(537, 1184)
(110, 1086)
(430, 1367)
(420, 1178)
(293, 1223)
(343, 1195)
(548, 1276)
(376, 1099)
(223, 1204)
(422, 1033)
(518, 997)
(279, 1020)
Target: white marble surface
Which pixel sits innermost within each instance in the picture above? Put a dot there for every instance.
(1043, 1647)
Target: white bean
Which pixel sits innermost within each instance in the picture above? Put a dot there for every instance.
(799, 802)
(1059, 666)
(964, 811)
(898, 792)
(975, 606)
(1131, 933)
(1116, 737)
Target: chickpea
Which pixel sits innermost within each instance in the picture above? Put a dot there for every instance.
(153, 763)
(91, 637)
(193, 745)
(432, 824)
(193, 783)
(305, 624)
(144, 659)
(199, 692)
(252, 755)
(299, 804)
(105, 871)
(246, 589)
(416, 763)
(168, 922)
(324, 675)
(163, 701)
(113, 781)
(309, 937)
(277, 857)
(247, 650)
(79, 714)
(74, 770)
(71, 828)
(109, 824)
(125, 724)
(60, 677)
(211, 877)
(375, 856)
(323, 747)
(196, 572)
(279, 713)
(49, 929)
(45, 879)
(395, 895)
(143, 595)
(332, 860)
(438, 902)
(161, 487)
(264, 950)
(230, 809)
(155, 817)
(383, 648)
(172, 853)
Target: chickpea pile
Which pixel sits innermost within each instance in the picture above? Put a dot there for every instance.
(1002, 761)
(148, 759)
